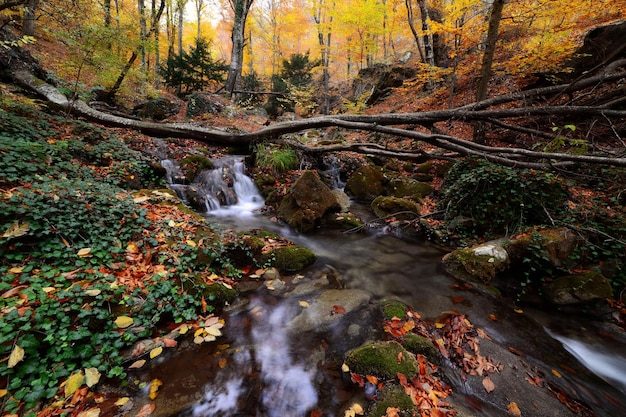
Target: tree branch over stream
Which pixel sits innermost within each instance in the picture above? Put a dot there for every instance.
(395, 125)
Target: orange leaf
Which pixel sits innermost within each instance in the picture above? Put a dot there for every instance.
(169, 342)
(357, 379)
(372, 379)
(457, 300)
(493, 317)
(516, 351)
(514, 410)
(421, 359)
(556, 373)
(204, 305)
(146, 410)
(339, 310)
(400, 357)
(488, 384)
(222, 363)
(317, 412)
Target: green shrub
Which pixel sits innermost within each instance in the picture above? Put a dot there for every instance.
(500, 200)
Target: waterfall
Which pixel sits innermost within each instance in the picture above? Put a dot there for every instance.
(225, 190)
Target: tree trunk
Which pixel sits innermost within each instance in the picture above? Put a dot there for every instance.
(157, 55)
(199, 8)
(410, 17)
(323, 20)
(142, 33)
(241, 9)
(485, 68)
(181, 21)
(118, 83)
(28, 27)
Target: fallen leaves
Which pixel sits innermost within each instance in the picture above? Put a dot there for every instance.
(514, 410)
(16, 356)
(17, 229)
(73, 383)
(488, 384)
(123, 322)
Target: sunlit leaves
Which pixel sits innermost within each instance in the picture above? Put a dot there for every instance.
(156, 352)
(123, 322)
(17, 229)
(92, 376)
(73, 383)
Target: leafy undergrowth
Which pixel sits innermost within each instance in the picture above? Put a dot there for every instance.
(89, 265)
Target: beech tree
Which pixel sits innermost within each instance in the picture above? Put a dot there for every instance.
(240, 8)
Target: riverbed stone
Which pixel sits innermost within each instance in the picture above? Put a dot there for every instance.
(479, 263)
(556, 245)
(328, 309)
(400, 208)
(578, 288)
(308, 200)
(405, 187)
(366, 183)
(381, 359)
(292, 258)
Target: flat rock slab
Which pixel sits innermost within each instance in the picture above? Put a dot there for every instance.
(328, 309)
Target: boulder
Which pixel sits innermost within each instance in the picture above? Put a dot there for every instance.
(201, 103)
(400, 208)
(404, 187)
(292, 258)
(578, 288)
(382, 359)
(366, 183)
(308, 200)
(157, 109)
(477, 264)
(556, 245)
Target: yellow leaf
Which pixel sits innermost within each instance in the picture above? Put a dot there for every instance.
(137, 364)
(214, 331)
(518, 310)
(16, 229)
(156, 352)
(183, 329)
(139, 200)
(122, 401)
(3, 392)
(84, 252)
(349, 413)
(123, 322)
(48, 290)
(198, 340)
(222, 363)
(191, 243)
(171, 223)
(92, 412)
(556, 373)
(17, 354)
(358, 409)
(345, 368)
(439, 325)
(303, 304)
(16, 270)
(93, 293)
(132, 248)
(154, 388)
(199, 332)
(73, 383)
(92, 376)
(209, 338)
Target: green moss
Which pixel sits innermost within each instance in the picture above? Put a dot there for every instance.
(194, 164)
(215, 294)
(393, 308)
(400, 208)
(292, 258)
(381, 359)
(420, 345)
(393, 396)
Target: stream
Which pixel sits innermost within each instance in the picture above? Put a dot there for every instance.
(270, 362)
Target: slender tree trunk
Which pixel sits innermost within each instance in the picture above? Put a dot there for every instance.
(485, 69)
(181, 21)
(111, 94)
(323, 19)
(429, 52)
(410, 18)
(490, 48)
(28, 25)
(199, 9)
(241, 9)
(157, 55)
(142, 33)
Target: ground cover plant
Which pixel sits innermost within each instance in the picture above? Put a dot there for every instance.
(88, 267)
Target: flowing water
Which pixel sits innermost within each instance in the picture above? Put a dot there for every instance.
(262, 367)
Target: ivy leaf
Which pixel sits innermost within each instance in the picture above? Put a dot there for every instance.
(16, 229)
(17, 354)
(123, 322)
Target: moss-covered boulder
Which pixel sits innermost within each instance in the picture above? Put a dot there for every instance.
(404, 187)
(194, 164)
(381, 359)
(393, 308)
(400, 208)
(308, 200)
(420, 345)
(366, 183)
(578, 288)
(215, 294)
(393, 396)
(292, 258)
(477, 264)
(556, 245)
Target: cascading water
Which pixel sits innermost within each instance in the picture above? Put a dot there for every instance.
(225, 190)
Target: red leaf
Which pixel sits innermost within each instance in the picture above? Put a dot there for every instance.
(146, 410)
(488, 384)
(339, 310)
(516, 351)
(457, 300)
(317, 412)
(421, 359)
(357, 379)
(169, 342)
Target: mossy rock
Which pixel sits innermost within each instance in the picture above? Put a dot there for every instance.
(292, 258)
(393, 308)
(400, 208)
(366, 183)
(477, 264)
(420, 345)
(424, 168)
(557, 245)
(393, 396)
(578, 288)
(408, 188)
(381, 359)
(344, 221)
(195, 164)
(215, 294)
